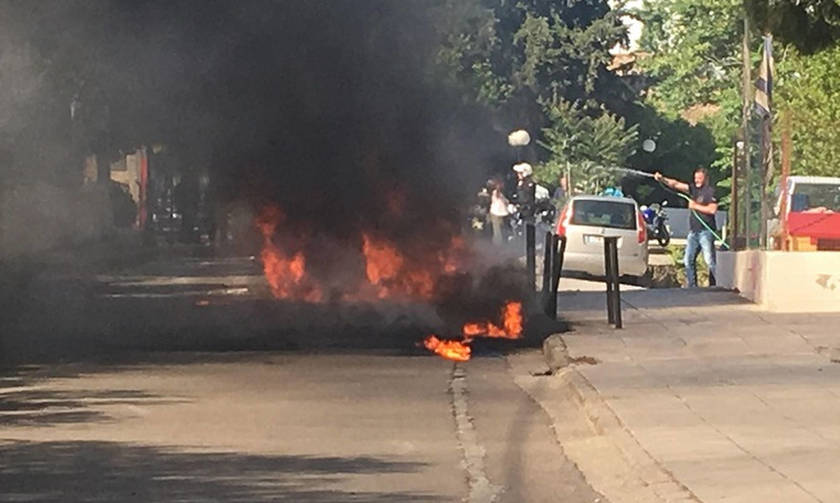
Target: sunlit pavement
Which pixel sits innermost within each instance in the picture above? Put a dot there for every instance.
(704, 397)
(180, 381)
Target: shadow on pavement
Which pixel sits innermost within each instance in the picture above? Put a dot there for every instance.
(25, 406)
(104, 471)
(660, 298)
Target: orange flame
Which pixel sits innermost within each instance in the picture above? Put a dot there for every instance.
(511, 324)
(451, 350)
(512, 327)
(388, 270)
(285, 275)
(382, 263)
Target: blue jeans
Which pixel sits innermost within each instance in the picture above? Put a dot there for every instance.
(696, 240)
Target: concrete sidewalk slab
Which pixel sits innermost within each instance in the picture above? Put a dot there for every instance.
(725, 401)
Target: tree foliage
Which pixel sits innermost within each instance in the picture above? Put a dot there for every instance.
(808, 25)
(808, 87)
(588, 147)
(532, 50)
(543, 65)
(695, 63)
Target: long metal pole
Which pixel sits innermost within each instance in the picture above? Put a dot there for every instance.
(608, 273)
(745, 124)
(766, 150)
(733, 197)
(787, 146)
(530, 256)
(548, 268)
(559, 247)
(616, 283)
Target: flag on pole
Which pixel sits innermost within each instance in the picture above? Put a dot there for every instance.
(763, 106)
(764, 84)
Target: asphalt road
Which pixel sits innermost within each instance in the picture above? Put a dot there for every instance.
(179, 381)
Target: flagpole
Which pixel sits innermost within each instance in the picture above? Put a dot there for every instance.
(745, 124)
(766, 135)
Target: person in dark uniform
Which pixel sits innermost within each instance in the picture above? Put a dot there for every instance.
(526, 191)
(701, 222)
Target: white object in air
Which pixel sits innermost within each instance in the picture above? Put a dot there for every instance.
(648, 145)
(519, 138)
(524, 168)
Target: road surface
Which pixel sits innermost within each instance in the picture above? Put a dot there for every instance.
(179, 381)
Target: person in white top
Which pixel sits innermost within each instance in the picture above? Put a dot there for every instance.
(498, 212)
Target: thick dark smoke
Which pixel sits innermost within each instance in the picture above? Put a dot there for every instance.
(330, 108)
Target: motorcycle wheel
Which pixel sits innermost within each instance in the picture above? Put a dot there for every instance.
(663, 237)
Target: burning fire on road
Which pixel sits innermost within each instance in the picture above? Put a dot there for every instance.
(511, 328)
(391, 271)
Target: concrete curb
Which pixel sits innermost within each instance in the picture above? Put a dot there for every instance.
(634, 476)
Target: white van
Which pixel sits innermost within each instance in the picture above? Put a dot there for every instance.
(586, 220)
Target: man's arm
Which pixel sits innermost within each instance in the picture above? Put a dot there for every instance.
(670, 182)
(708, 208)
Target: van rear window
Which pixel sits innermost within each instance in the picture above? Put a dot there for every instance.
(615, 214)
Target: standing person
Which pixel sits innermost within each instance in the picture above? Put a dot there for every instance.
(498, 211)
(701, 222)
(561, 192)
(526, 191)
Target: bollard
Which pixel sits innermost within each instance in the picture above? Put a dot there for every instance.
(548, 268)
(616, 285)
(530, 256)
(611, 276)
(608, 280)
(558, 251)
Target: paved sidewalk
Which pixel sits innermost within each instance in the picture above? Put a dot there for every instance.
(706, 397)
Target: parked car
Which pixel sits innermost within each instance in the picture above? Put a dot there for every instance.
(586, 220)
(809, 220)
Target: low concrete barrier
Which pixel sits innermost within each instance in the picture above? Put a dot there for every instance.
(794, 282)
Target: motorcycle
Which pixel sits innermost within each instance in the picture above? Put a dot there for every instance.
(544, 214)
(656, 222)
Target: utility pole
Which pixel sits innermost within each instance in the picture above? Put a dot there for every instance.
(745, 124)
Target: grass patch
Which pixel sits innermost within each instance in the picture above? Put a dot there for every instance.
(677, 255)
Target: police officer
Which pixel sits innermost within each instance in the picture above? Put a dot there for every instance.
(526, 191)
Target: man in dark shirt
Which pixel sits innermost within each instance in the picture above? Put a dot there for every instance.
(701, 222)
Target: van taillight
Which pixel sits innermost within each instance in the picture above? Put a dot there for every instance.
(642, 230)
(563, 220)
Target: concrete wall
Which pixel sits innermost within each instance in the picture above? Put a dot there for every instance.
(38, 217)
(783, 281)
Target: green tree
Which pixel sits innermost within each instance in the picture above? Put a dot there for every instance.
(588, 147)
(543, 65)
(532, 50)
(808, 25)
(808, 87)
(695, 65)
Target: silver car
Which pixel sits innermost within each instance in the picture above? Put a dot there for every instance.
(585, 220)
